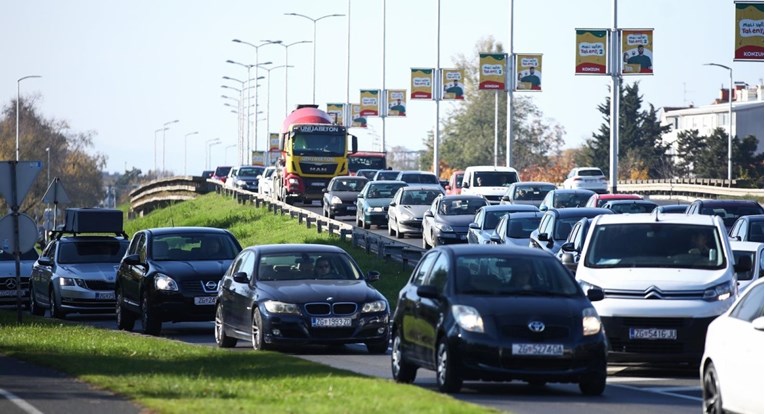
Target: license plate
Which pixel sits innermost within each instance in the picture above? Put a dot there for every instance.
(105, 295)
(318, 184)
(538, 349)
(351, 208)
(653, 333)
(330, 322)
(8, 293)
(204, 300)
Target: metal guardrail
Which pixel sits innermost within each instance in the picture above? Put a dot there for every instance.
(162, 192)
(687, 188)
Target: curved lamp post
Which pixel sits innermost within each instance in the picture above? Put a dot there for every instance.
(185, 148)
(156, 172)
(18, 98)
(286, 71)
(210, 143)
(166, 127)
(730, 118)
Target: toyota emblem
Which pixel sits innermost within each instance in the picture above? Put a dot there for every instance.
(536, 326)
(211, 285)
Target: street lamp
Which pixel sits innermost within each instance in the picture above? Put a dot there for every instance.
(268, 108)
(210, 143)
(47, 151)
(226, 152)
(155, 149)
(730, 118)
(314, 42)
(18, 98)
(163, 142)
(286, 71)
(185, 148)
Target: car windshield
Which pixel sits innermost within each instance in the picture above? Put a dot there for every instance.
(6, 255)
(356, 163)
(250, 172)
(348, 184)
(306, 265)
(419, 197)
(460, 207)
(386, 175)
(532, 192)
(494, 178)
(505, 275)
(632, 208)
(193, 247)
(747, 274)
(657, 244)
(419, 178)
(594, 172)
(731, 212)
(325, 145)
(564, 200)
(95, 251)
(755, 232)
(222, 171)
(268, 172)
(383, 190)
(521, 228)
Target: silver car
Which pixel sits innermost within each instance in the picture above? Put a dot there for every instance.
(407, 208)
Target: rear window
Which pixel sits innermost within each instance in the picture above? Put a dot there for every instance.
(221, 171)
(419, 178)
(521, 228)
(532, 192)
(593, 172)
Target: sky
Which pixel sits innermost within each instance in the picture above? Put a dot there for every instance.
(123, 69)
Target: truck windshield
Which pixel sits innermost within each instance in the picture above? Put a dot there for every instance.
(323, 145)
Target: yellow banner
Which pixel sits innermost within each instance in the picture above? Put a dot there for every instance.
(422, 83)
(357, 121)
(335, 110)
(591, 52)
(396, 102)
(258, 158)
(749, 31)
(370, 102)
(453, 83)
(273, 141)
(493, 69)
(637, 51)
(528, 71)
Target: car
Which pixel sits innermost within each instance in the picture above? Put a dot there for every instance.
(497, 313)
(571, 249)
(373, 202)
(386, 175)
(597, 199)
(556, 225)
(515, 228)
(420, 178)
(341, 194)
(408, 207)
(748, 228)
(265, 181)
(588, 178)
(754, 253)
(75, 272)
(455, 182)
(299, 294)
(483, 227)
(208, 174)
(367, 173)
(729, 210)
(630, 206)
(171, 274)
(245, 177)
(732, 369)
(562, 198)
(221, 173)
(447, 219)
(9, 286)
(672, 209)
(527, 192)
(488, 181)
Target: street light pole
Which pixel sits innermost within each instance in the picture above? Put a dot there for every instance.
(226, 152)
(47, 150)
(185, 149)
(209, 143)
(268, 110)
(730, 119)
(166, 127)
(156, 173)
(286, 71)
(18, 108)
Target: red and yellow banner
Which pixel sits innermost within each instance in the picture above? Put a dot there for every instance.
(528, 69)
(422, 83)
(370, 102)
(453, 84)
(637, 51)
(396, 102)
(335, 110)
(591, 52)
(749, 31)
(273, 141)
(357, 121)
(493, 70)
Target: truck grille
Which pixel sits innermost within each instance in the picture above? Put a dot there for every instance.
(315, 168)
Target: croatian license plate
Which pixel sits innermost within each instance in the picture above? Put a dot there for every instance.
(330, 322)
(204, 300)
(538, 349)
(9, 293)
(105, 295)
(653, 333)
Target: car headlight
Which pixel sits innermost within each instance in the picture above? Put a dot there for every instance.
(165, 282)
(720, 292)
(71, 281)
(274, 306)
(406, 216)
(376, 306)
(590, 322)
(293, 181)
(336, 200)
(587, 286)
(376, 209)
(443, 227)
(241, 182)
(468, 318)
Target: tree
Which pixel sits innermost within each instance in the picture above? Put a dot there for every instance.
(707, 156)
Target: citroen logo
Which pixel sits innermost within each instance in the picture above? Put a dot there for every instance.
(536, 326)
(653, 293)
(211, 285)
(10, 284)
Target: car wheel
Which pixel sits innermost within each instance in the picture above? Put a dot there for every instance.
(125, 318)
(447, 377)
(402, 371)
(377, 347)
(365, 225)
(34, 306)
(221, 339)
(710, 390)
(390, 229)
(594, 383)
(425, 245)
(149, 318)
(258, 341)
(55, 310)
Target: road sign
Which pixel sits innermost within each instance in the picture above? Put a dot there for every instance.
(26, 173)
(27, 233)
(55, 193)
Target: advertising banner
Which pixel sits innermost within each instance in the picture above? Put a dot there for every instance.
(259, 158)
(453, 82)
(749, 31)
(591, 52)
(528, 69)
(493, 69)
(396, 102)
(335, 110)
(637, 51)
(358, 121)
(422, 83)
(273, 141)
(370, 102)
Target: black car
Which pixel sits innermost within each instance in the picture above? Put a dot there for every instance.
(556, 225)
(748, 228)
(279, 295)
(340, 196)
(728, 210)
(497, 313)
(630, 206)
(171, 274)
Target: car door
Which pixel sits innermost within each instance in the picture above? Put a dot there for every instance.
(326, 199)
(360, 203)
(242, 295)
(394, 206)
(131, 275)
(427, 221)
(472, 235)
(41, 273)
(408, 300)
(430, 311)
(534, 237)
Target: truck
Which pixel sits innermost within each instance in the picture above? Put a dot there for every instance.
(366, 160)
(313, 150)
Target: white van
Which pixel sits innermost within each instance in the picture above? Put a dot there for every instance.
(488, 181)
(665, 278)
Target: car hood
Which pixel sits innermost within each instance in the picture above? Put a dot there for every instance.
(517, 242)
(193, 270)
(458, 223)
(494, 191)
(377, 202)
(89, 271)
(414, 210)
(309, 290)
(524, 309)
(643, 278)
(9, 268)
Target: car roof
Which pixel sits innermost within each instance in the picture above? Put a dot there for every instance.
(578, 169)
(378, 182)
(416, 172)
(580, 211)
(492, 250)
(101, 238)
(727, 202)
(571, 191)
(753, 217)
(696, 219)
(483, 168)
(296, 248)
(350, 177)
(185, 230)
(510, 207)
(519, 183)
(420, 187)
(745, 246)
(613, 202)
(461, 197)
(618, 196)
(525, 214)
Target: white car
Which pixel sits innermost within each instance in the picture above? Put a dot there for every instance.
(266, 182)
(488, 181)
(733, 368)
(588, 178)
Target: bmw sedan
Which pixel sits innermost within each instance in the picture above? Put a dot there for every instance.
(280, 295)
(497, 313)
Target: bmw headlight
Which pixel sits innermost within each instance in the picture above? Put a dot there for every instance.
(590, 322)
(468, 318)
(165, 282)
(444, 227)
(71, 281)
(722, 291)
(336, 200)
(376, 209)
(376, 306)
(273, 306)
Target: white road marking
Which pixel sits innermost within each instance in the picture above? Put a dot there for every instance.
(667, 391)
(25, 406)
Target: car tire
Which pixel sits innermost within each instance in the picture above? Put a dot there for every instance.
(34, 306)
(152, 325)
(377, 347)
(390, 229)
(425, 245)
(125, 318)
(710, 390)
(257, 337)
(402, 371)
(221, 339)
(447, 377)
(594, 383)
(55, 310)
(365, 225)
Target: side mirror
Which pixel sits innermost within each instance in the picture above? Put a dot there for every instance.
(428, 214)
(744, 264)
(241, 277)
(132, 260)
(392, 204)
(496, 240)
(542, 207)
(595, 294)
(428, 291)
(465, 184)
(323, 190)
(543, 237)
(505, 198)
(569, 260)
(373, 276)
(360, 195)
(568, 247)
(354, 144)
(759, 323)
(45, 261)
(474, 226)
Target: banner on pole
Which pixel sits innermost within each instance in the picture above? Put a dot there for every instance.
(453, 81)
(259, 158)
(493, 69)
(591, 46)
(370, 102)
(357, 121)
(749, 31)
(637, 51)
(396, 102)
(335, 110)
(422, 83)
(528, 68)
(273, 141)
